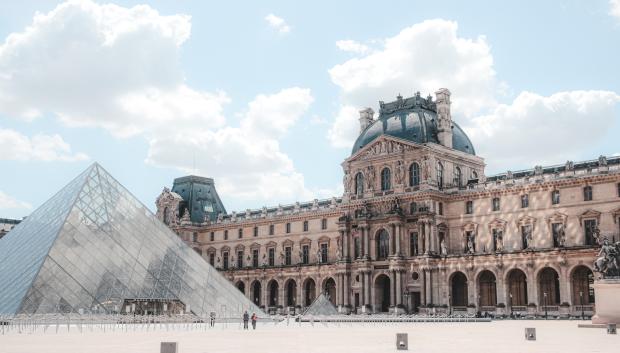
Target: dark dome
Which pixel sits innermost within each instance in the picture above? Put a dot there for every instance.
(416, 124)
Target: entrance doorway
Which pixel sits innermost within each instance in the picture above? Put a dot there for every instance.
(382, 293)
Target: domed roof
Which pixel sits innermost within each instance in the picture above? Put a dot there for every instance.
(413, 119)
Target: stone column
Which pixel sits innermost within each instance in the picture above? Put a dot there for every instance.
(421, 249)
(345, 244)
(500, 287)
(532, 288)
(393, 288)
(423, 291)
(427, 238)
(392, 241)
(346, 292)
(265, 295)
(368, 297)
(363, 288)
(366, 242)
(428, 287)
(281, 296)
(472, 293)
(338, 289)
(565, 289)
(398, 288)
(398, 239)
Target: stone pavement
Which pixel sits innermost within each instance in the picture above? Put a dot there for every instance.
(497, 337)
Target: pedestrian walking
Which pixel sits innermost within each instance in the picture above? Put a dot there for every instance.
(246, 318)
(212, 319)
(254, 318)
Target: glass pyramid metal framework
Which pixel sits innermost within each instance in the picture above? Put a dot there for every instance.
(321, 306)
(93, 246)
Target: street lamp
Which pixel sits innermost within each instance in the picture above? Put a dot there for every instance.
(545, 295)
(581, 303)
(511, 312)
(450, 303)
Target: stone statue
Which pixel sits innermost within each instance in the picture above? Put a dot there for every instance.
(400, 172)
(608, 260)
(470, 245)
(499, 241)
(561, 236)
(528, 238)
(597, 235)
(602, 161)
(538, 170)
(443, 248)
(347, 182)
(426, 169)
(370, 176)
(569, 165)
(318, 256)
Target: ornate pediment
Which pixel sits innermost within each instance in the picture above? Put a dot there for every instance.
(255, 246)
(239, 247)
(305, 241)
(557, 217)
(589, 214)
(469, 227)
(271, 244)
(324, 239)
(383, 146)
(287, 242)
(225, 248)
(497, 223)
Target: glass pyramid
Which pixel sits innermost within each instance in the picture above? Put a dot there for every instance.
(321, 306)
(93, 246)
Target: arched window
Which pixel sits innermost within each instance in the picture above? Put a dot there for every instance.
(474, 175)
(383, 244)
(414, 174)
(166, 216)
(458, 177)
(359, 184)
(439, 175)
(386, 182)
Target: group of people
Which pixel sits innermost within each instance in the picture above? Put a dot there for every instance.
(246, 318)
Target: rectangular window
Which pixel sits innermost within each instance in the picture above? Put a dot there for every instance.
(287, 255)
(212, 259)
(469, 207)
(324, 253)
(305, 254)
(555, 197)
(240, 233)
(195, 237)
(239, 259)
(495, 203)
(272, 257)
(305, 226)
(225, 260)
(441, 208)
(587, 193)
(590, 228)
(618, 187)
(413, 244)
(324, 223)
(288, 227)
(212, 236)
(226, 235)
(255, 231)
(255, 258)
(525, 201)
(271, 229)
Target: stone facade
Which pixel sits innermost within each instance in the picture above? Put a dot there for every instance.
(420, 228)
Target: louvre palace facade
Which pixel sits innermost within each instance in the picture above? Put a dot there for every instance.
(419, 228)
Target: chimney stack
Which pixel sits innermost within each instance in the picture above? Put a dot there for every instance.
(366, 118)
(444, 118)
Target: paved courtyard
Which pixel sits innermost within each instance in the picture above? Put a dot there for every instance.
(498, 337)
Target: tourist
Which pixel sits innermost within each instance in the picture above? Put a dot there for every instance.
(246, 318)
(212, 319)
(254, 318)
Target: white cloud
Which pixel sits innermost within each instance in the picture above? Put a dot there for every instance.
(277, 23)
(614, 8)
(426, 56)
(345, 127)
(352, 46)
(246, 162)
(535, 129)
(105, 66)
(8, 202)
(18, 147)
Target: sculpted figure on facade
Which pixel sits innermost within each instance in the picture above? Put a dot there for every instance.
(347, 181)
(602, 161)
(608, 259)
(443, 247)
(561, 236)
(569, 165)
(527, 237)
(470, 244)
(370, 177)
(426, 168)
(399, 172)
(499, 242)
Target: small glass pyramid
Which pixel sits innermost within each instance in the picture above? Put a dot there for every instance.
(93, 247)
(321, 306)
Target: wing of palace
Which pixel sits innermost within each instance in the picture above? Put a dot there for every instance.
(419, 228)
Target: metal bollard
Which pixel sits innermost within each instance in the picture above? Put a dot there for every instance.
(611, 329)
(169, 347)
(530, 334)
(402, 342)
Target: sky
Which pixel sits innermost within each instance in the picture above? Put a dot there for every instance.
(264, 96)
